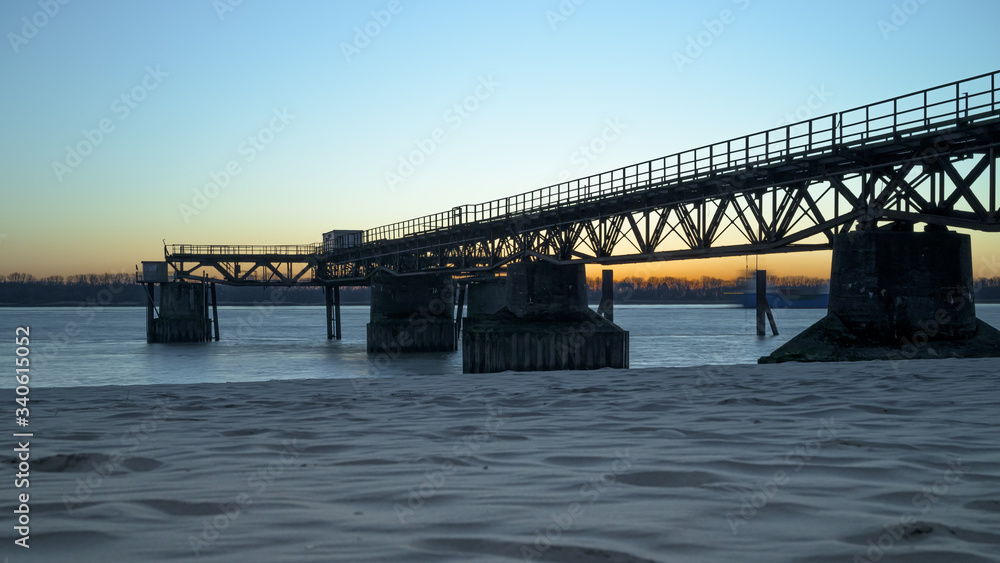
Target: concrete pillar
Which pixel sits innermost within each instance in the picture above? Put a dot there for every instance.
(411, 314)
(486, 297)
(896, 294)
(183, 314)
(542, 290)
(888, 285)
(544, 323)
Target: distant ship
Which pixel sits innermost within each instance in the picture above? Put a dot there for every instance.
(779, 297)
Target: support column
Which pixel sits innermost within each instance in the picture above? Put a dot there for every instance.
(183, 314)
(328, 299)
(459, 311)
(411, 314)
(336, 310)
(894, 295)
(607, 307)
(150, 321)
(763, 307)
(205, 312)
(541, 323)
(215, 313)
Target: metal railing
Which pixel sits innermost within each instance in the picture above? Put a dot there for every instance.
(243, 249)
(917, 113)
(968, 100)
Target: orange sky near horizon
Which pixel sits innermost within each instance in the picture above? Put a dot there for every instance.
(257, 128)
(120, 256)
(809, 264)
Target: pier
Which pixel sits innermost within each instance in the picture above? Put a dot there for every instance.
(836, 182)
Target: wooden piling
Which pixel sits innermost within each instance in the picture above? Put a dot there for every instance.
(215, 313)
(150, 322)
(207, 330)
(458, 312)
(607, 306)
(328, 298)
(336, 310)
(763, 309)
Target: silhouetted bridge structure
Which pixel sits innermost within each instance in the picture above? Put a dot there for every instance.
(786, 189)
(925, 157)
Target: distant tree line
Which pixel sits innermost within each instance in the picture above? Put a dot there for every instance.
(19, 289)
(714, 290)
(682, 290)
(27, 290)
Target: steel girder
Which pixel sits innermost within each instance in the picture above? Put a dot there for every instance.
(796, 205)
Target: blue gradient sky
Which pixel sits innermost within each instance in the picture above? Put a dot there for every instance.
(555, 86)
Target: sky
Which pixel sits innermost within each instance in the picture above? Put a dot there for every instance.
(120, 117)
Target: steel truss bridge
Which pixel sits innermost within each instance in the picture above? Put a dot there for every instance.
(927, 157)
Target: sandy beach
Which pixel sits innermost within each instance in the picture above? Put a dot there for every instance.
(795, 462)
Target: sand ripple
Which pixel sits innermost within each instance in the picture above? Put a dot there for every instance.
(819, 463)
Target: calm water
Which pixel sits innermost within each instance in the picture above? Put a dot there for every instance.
(71, 347)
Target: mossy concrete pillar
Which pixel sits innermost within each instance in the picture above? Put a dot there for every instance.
(888, 285)
(487, 297)
(411, 314)
(544, 323)
(897, 294)
(183, 314)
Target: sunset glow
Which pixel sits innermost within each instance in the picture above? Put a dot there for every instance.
(366, 113)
